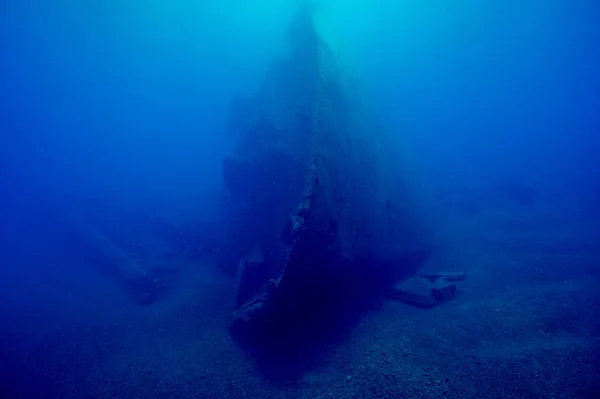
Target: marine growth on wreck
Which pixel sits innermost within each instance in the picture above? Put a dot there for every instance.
(315, 218)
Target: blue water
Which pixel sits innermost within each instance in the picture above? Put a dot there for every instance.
(114, 118)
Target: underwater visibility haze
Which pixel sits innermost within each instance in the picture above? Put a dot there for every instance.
(284, 198)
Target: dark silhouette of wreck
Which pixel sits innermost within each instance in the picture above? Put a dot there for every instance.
(319, 215)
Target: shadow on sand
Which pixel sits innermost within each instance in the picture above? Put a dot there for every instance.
(300, 337)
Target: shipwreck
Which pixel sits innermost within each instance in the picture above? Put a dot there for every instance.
(319, 212)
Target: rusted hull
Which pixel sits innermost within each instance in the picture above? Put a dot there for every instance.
(312, 189)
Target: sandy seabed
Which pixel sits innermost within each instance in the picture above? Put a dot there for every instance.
(526, 324)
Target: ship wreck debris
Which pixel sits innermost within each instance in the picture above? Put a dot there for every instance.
(428, 290)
